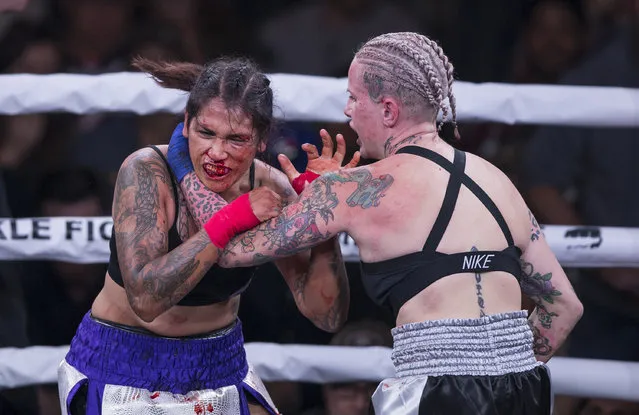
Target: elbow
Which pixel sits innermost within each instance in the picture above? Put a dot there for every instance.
(576, 310)
(329, 319)
(146, 316)
(340, 319)
(570, 311)
(336, 326)
(146, 310)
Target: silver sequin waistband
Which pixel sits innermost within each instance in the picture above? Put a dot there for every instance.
(492, 345)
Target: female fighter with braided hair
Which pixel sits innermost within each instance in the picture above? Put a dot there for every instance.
(446, 242)
(163, 335)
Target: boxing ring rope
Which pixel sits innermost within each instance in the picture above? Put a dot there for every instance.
(586, 378)
(311, 98)
(307, 98)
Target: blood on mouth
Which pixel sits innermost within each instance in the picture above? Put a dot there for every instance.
(216, 170)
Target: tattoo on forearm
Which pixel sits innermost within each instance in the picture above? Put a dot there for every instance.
(478, 287)
(535, 231)
(297, 228)
(143, 244)
(338, 312)
(540, 289)
(391, 148)
(541, 344)
(202, 202)
(333, 293)
(168, 281)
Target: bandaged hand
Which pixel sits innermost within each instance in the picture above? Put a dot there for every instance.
(244, 213)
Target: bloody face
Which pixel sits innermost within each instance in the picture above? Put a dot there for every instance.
(222, 145)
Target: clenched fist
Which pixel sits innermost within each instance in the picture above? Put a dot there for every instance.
(266, 204)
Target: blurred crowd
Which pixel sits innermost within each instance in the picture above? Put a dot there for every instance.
(58, 164)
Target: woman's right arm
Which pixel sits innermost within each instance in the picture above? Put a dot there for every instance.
(557, 308)
(154, 279)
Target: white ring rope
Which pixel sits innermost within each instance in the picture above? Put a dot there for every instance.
(587, 378)
(308, 98)
(312, 98)
(86, 240)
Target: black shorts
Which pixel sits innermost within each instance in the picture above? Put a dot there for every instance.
(525, 393)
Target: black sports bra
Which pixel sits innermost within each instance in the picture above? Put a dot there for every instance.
(218, 284)
(392, 282)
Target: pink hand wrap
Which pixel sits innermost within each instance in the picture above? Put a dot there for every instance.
(300, 182)
(234, 218)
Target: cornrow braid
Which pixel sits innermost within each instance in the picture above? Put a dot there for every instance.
(450, 72)
(414, 68)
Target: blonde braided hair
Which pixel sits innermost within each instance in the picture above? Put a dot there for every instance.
(413, 68)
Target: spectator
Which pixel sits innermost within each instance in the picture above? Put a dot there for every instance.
(319, 37)
(57, 293)
(588, 176)
(95, 37)
(179, 17)
(13, 326)
(551, 41)
(165, 44)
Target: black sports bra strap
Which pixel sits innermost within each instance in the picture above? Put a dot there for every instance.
(467, 181)
(448, 205)
(492, 208)
(173, 181)
(252, 175)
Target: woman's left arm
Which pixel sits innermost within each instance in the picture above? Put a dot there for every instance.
(316, 277)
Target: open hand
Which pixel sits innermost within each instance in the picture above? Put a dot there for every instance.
(324, 163)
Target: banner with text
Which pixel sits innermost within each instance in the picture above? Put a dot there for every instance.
(86, 240)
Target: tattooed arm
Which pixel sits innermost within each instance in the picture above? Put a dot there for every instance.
(319, 284)
(154, 279)
(201, 201)
(316, 277)
(322, 211)
(557, 308)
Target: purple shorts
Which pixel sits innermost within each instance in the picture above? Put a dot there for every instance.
(116, 371)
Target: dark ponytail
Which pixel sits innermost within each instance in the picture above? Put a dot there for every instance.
(238, 82)
(174, 75)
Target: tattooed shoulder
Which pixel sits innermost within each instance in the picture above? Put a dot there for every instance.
(147, 158)
(369, 191)
(136, 187)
